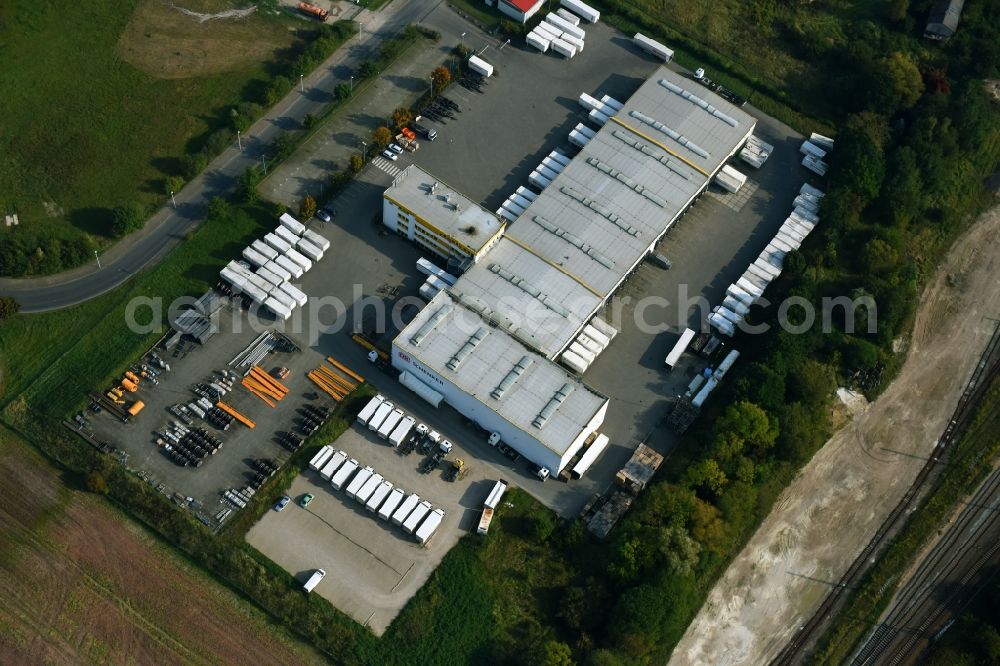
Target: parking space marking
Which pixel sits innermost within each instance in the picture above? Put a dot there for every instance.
(738, 200)
(387, 166)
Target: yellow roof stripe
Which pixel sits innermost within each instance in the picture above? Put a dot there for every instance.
(654, 141)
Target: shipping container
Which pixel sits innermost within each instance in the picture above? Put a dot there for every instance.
(286, 235)
(254, 257)
(391, 503)
(730, 179)
(565, 49)
(536, 40)
(280, 310)
(341, 476)
(568, 16)
(278, 270)
(562, 24)
(309, 250)
(299, 258)
(574, 362)
(294, 292)
(319, 241)
(653, 47)
(264, 249)
(290, 223)
(581, 9)
(576, 43)
(293, 269)
(279, 244)
(480, 66)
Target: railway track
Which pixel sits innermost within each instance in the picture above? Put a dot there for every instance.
(985, 372)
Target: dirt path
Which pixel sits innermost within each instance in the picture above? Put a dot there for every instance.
(841, 497)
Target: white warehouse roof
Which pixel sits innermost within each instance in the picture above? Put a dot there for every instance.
(597, 219)
(527, 390)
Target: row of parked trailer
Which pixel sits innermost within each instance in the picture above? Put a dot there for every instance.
(269, 264)
(367, 487)
(437, 280)
(747, 289)
(560, 32)
(600, 111)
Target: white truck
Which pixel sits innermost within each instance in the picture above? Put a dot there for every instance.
(480, 66)
(679, 348)
(391, 503)
(343, 474)
(413, 520)
(490, 505)
(401, 431)
(358, 481)
(332, 465)
(375, 501)
(429, 526)
(368, 411)
(405, 508)
(369, 487)
(390, 423)
(313, 581)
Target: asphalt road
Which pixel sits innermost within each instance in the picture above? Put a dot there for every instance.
(169, 226)
(946, 579)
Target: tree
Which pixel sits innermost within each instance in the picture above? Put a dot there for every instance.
(858, 164)
(402, 117)
(248, 183)
(127, 217)
(440, 77)
(342, 92)
(879, 257)
(708, 475)
(8, 307)
(308, 207)
(357, 163)
(554, 653)
(750, 423)
(897, 10)
(218, 209)
(368, 70)
(278, 88)
(678, 549)
(902, 196)
(382, 136)
(901, 84)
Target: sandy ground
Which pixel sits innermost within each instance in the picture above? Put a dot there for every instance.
(860, 474)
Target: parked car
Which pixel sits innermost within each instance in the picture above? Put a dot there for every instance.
(389, 155)
(282, 503)
(324, 215)
(395, 148)
(304, 502)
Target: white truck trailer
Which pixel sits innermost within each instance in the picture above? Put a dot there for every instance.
(287, 235)
(413, 520)
(294, 270)
(368, 411)
(582, 10)
(358, 481)
(375, 501)
(332, 465)
(313, 581)
(653, 47)
(390, 423)
(682, 344)
(380, 414)
(319, 241)
(279, 244)
(400, 432)
(391, 503)
(343, 474)
(299, 258)
(290, 223)
(490, 505)
(264, 249)
(405, 508)
(590, 455)
(429, 526)
(368, 489)
(309, 250)
(321, 457)
(480, 66)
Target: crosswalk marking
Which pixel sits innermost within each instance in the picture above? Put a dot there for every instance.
(387, 166)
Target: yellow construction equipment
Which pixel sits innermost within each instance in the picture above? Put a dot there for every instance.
(115, 398)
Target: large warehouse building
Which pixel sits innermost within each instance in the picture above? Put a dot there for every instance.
(539, 282)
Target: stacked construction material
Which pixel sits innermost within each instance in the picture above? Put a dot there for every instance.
(813, 150)
(337, 382)
(756, 152)
(264, 386)
(747, 289)
(270, 263)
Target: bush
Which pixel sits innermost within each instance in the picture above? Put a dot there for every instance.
(126, 218)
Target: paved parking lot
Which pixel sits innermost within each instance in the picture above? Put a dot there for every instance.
(373, 567)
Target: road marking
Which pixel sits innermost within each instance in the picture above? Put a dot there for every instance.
(387, 166)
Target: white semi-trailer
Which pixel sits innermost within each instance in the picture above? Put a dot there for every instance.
(490, 505)
(405, 508)
(679, 348)
(590, 455)
(358, 481)
(368, 411)
(413, 520)
(380, 414)
(400, 432)
(368, 489)
(343, 474)
(332, 465)
(290, 223)
(391, 503)
(375, 501)
(321, 457)
(429, 526)
(390, 423)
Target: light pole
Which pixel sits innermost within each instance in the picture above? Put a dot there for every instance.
(302, 85)
(463, 41)
(352, 84)
(264, 162)
(364, 152)
(172, 200)
(239, 141)
(96, 256)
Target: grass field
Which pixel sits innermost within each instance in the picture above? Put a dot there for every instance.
(52, 360)
(81, 584)
(101, 99)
